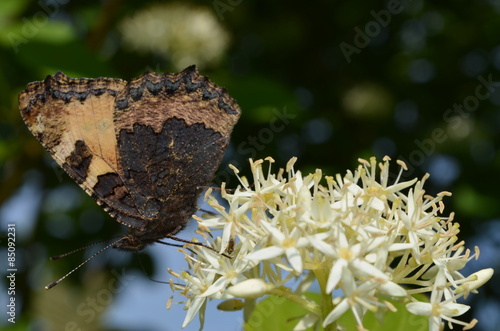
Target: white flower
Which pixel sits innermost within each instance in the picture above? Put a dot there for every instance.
(183, 33)
(475, 281)
(283, 243)
(441, 307)
(361, 238)
(227, 271)
(250, 288)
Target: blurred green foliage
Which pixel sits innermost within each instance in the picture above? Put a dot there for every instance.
(404, 75)
(276, 313)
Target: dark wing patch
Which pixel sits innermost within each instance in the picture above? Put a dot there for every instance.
(165, 171)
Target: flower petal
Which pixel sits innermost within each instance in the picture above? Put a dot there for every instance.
(266, 253)
(294, 258)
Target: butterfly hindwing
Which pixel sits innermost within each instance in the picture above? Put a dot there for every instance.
(169, 150)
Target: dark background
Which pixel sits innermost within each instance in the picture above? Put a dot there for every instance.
(326, 81)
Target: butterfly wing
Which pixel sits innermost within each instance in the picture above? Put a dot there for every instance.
(73, 120)
(172, 132)
(142, 149)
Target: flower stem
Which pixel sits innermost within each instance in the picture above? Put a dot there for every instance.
(248, 309)
(326, 298)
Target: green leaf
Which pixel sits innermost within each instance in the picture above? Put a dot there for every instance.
(11, 8)
(26, 31)
(401, 320)
(275, 313)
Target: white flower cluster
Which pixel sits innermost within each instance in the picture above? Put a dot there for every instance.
(185, 34)
(358, 234)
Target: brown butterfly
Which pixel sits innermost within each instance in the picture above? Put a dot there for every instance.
(142, 149)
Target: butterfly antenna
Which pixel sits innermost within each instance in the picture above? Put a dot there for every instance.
(57, 257)
(51, 285)
(191, 243)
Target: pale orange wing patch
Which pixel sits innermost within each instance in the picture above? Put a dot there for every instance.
(73, 120)
(60, 111)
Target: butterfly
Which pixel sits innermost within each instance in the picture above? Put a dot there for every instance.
(142, 149)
